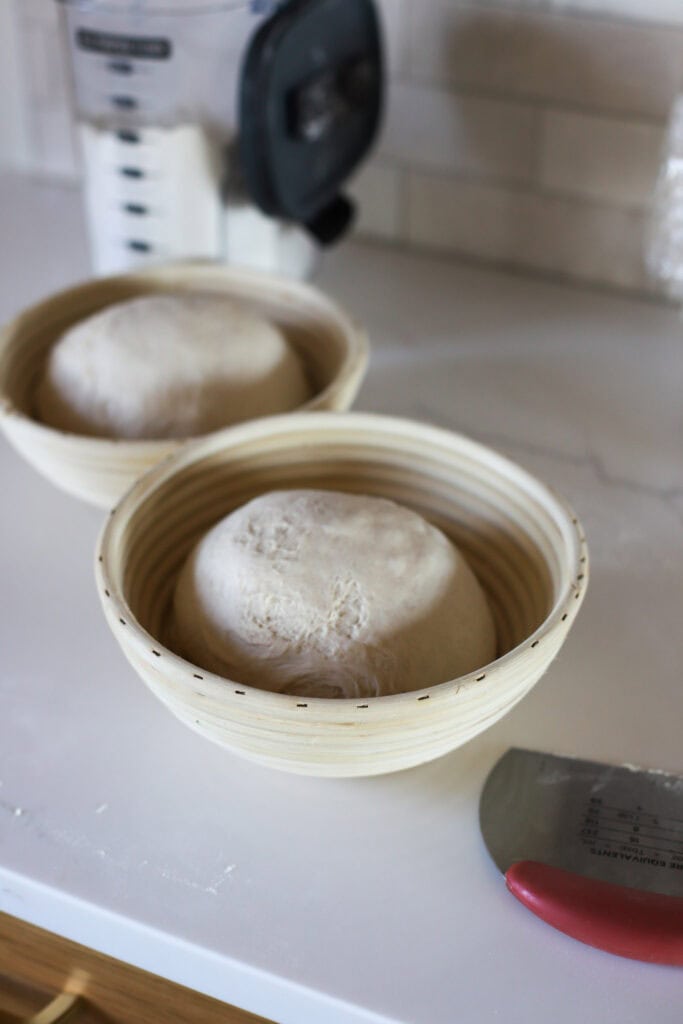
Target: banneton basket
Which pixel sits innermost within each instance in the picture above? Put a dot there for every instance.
(100, 470)
(523, 542)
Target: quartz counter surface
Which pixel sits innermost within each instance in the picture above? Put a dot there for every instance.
(371, 900)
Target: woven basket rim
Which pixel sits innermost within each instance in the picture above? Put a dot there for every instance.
(355, 340)
(317, 424)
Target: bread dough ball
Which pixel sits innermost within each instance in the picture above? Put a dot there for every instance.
(323, 594)
(169, 366)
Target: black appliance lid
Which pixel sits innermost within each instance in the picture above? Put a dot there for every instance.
(310, 107)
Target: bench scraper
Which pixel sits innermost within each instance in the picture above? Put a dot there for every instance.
(594, 850)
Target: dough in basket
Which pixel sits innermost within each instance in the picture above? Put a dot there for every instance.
(169, 365)
(319, 593)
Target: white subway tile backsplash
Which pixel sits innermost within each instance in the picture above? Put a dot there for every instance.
(52, 147)
(465, 134)
(605, 159)
(39, 64)
(377, 191)
(461, 216)
(586, 241)
(665, 12)
(55, 144)
(38, 12)
(590, 62)
(662, 12)
(521, 228)
(392, 16)
(15, 141)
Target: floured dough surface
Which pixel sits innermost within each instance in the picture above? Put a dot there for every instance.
(319, 593)
(169, 366)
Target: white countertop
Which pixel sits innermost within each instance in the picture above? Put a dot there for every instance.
(352, 901)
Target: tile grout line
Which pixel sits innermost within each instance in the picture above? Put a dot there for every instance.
(529, 100)
(568, 10)
(515, 187)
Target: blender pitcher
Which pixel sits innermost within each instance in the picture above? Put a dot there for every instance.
(221, 130)
(155, 92)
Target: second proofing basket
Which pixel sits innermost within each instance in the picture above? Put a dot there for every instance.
(522, 541)
(99, 470)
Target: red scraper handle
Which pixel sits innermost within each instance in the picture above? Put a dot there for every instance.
(629, 922)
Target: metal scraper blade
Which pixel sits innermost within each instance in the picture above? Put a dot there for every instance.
(616, 824)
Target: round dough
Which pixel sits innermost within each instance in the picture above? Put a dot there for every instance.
(169, 365)
(318, 593)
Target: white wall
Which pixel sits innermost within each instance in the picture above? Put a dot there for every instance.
(14, 143)
(37, 133)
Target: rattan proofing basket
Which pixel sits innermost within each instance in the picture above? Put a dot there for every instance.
(100, 470)
(522, 540)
